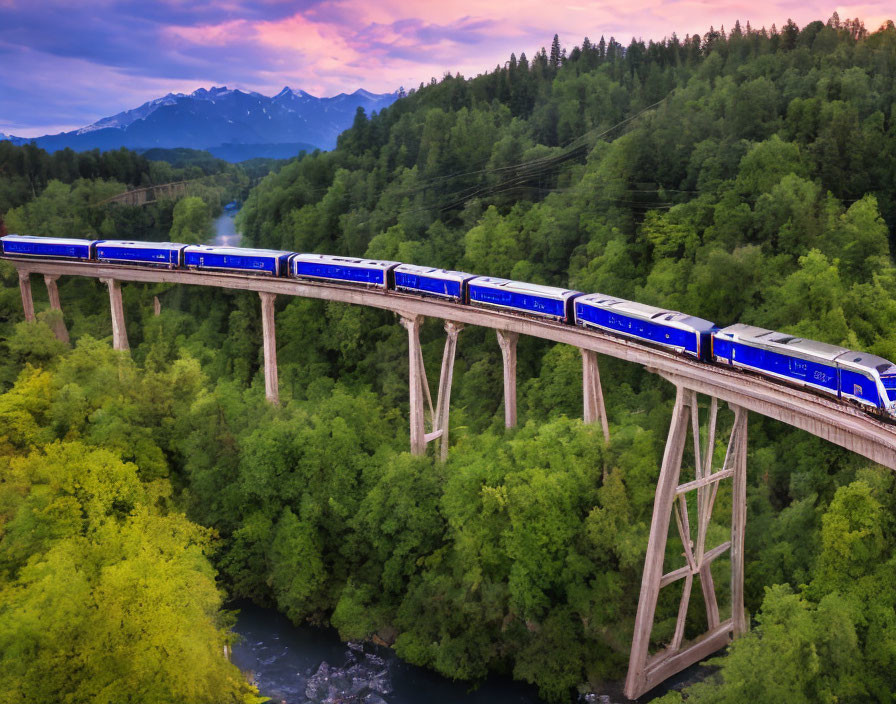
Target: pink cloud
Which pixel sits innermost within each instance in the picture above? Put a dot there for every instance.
(207, 34)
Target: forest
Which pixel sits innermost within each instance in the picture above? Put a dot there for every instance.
(743, 175)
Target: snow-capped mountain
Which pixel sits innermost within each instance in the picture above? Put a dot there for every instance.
(123, 119)
(219, 117)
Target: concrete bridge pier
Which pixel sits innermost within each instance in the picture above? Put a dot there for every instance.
(271, 382)
(645, 671)
(59, 328)
(443, 400)
(25, 290)
(507, 341)
(417, 381)
(420, 396)
(119, 331)
(593, 394)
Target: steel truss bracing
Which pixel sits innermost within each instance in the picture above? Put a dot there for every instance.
(646, 671)
(419, 388)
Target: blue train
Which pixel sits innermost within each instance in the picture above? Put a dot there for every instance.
(861, 378)
(856, 377)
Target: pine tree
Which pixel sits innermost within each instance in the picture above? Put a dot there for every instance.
(555, 53)
(789, 34)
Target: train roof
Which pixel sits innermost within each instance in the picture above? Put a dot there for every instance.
(645, 312)
(433, 271)
(235, 251)
(54, 240)
(866, 362)
(523, 287)
(336, 259)
(140, 245)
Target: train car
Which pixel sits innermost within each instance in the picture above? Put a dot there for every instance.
(366, 272)
(46, 247)
(166, 254)
(677, 332)
(862, 378)
(868, 380)
(777, 354)
(267, 262)
(428, 281)
(521, 297)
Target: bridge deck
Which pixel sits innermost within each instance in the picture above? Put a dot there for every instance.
(834, 421)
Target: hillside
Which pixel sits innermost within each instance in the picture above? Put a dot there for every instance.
(744, 176)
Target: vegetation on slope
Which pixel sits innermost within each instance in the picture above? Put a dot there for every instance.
(65, 194)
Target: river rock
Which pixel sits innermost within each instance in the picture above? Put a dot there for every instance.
(361, 680)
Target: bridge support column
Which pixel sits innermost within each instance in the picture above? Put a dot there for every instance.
(271, 382)
(417, 381)
(645, 671)
(119, 331)
(59, 328)
(443, 400)
(593, 393)
(25, 290)
(156, 306)
(507, 341)
(419, 387)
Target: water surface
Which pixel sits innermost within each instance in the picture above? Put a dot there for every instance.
(301, 665)
(225, 231)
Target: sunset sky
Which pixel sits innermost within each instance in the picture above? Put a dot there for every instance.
(62, 68)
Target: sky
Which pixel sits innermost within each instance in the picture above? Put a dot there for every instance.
(65, 64)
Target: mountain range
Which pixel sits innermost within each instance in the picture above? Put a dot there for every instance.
(231, 124)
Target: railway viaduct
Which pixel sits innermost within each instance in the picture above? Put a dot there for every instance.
(838, 423)
(150, 194)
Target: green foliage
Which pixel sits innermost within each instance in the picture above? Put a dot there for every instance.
(100, 591)
(835, 641)
(192, 223)
(62, 210)
(63, 194)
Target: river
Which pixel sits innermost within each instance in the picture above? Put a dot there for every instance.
(225, 231)
(305, 665)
